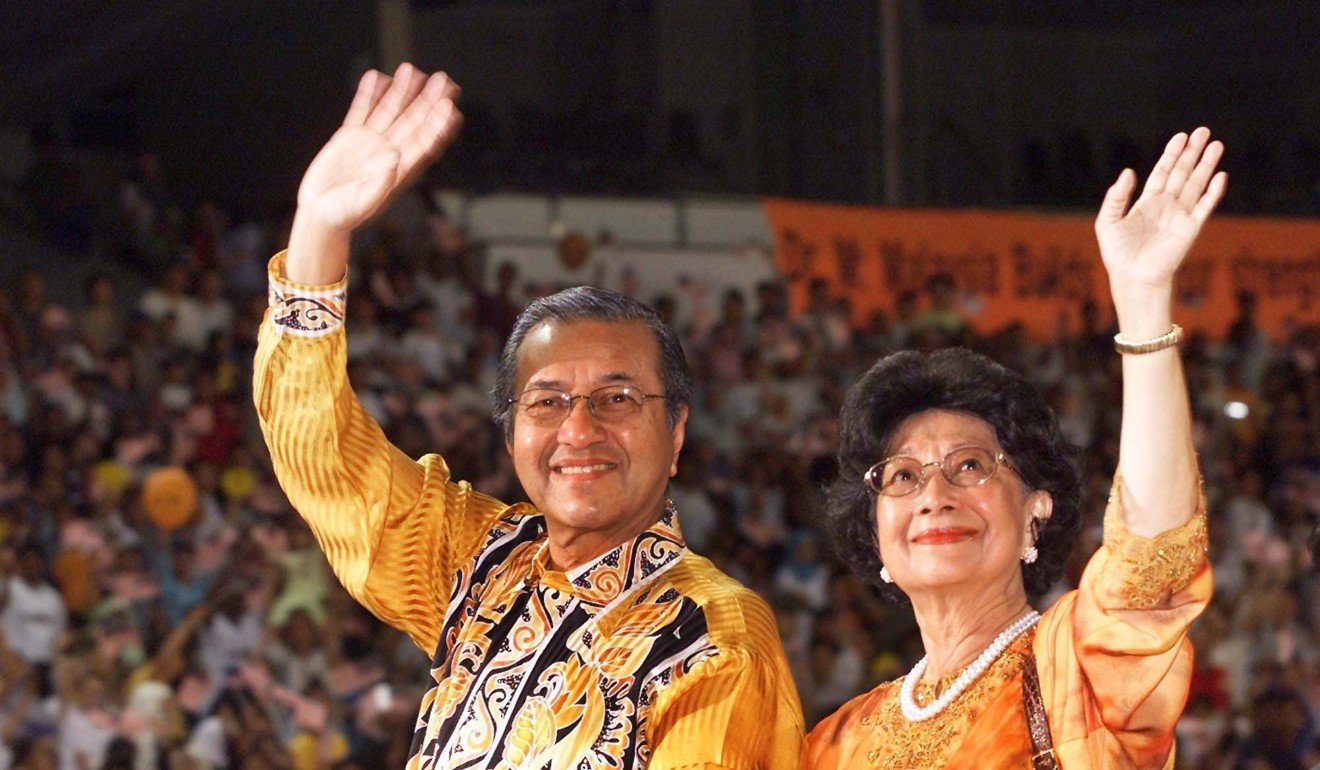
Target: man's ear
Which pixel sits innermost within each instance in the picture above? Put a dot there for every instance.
(679, 432)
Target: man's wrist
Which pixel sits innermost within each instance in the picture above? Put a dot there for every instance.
(318, 253)
(305, 310)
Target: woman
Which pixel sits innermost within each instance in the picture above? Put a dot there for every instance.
(958, 493)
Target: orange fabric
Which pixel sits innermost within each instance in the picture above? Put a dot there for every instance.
(1115, 665)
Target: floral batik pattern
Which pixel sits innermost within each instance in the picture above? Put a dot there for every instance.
(544, 669)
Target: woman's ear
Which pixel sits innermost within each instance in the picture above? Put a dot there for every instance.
(1040, 505)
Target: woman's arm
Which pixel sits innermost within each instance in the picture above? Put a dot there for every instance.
(1142, 249)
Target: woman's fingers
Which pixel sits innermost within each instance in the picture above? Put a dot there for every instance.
(370, 88)
(1116, 198)
(1159, 176)
(1195, 186)
(1187, 160)
(1206, 204)
(408, 82)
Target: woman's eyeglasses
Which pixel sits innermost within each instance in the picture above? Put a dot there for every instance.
(965, 467)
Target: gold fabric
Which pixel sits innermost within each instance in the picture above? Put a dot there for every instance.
(1114, 660)
(646, 657)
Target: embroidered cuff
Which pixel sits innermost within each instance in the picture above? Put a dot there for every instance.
(302, 310)
(1155, 567)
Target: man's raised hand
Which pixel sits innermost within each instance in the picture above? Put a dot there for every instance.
(394, 129)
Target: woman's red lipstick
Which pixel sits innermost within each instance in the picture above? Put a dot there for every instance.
(942, 535)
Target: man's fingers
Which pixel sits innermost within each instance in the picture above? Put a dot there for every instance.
(1116, 198)
(400, 132)
(1206, 205)
(1159, 176)
(1195, 186)
(430, 138)
(449, 89)
(445, 120)
(370, 88)
(1187, 160)
(408, 82)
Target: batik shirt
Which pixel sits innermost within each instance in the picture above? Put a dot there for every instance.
(647, 656)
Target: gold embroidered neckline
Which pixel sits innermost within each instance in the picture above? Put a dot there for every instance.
(899, 743)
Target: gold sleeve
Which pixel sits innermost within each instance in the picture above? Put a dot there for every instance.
(740, 708)
(1114, 657)
(1148, 570)
(394, 530)
(731, 714)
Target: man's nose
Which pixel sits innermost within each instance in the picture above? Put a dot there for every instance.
(580, 426)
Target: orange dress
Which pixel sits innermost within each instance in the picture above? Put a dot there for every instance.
(1114, 660)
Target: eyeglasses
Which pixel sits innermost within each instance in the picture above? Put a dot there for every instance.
(969, 466)
(611, 403)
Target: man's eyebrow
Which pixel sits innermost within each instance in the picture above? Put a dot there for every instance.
(609, 378)
(613, 377)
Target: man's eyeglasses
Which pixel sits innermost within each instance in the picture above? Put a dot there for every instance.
(611, 403)
(966, 467)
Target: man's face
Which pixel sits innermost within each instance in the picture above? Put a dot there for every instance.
(598, 483)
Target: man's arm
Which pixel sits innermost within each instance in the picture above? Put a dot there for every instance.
(739, 712)
(392, 529)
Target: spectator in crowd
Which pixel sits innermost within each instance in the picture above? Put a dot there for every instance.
(941, 321)
(32, 613)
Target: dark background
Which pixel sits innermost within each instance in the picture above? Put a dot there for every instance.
(1003, 103)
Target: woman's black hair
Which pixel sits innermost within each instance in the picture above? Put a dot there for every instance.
(953, 379)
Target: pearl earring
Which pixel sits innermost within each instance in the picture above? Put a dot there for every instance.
(884, 575)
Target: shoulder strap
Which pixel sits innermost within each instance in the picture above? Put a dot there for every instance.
(1042, 745)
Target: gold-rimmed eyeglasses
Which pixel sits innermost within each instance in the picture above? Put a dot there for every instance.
(611, 403)
(968, 466)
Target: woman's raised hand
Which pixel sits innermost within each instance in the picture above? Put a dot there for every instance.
(393, 130)
(1143, 247)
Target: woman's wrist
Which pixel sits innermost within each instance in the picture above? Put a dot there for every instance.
(1143, 312)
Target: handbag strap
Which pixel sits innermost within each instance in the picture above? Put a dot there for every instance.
(1042, 745)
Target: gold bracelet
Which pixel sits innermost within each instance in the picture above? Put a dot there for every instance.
(1166, 340)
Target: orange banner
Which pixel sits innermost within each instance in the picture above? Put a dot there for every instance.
(1037, 269)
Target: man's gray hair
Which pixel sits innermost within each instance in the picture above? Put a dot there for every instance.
(587, 303)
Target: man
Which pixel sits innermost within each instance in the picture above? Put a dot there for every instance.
(32, 615)
(577, 631)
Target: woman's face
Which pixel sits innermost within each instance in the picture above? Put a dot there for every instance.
(943, 537)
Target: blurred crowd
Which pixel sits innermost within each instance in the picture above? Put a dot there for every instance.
(134, 634)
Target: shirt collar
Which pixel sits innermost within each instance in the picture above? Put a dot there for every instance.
(614, 572)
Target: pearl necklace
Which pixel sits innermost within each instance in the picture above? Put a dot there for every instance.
(907, 695)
